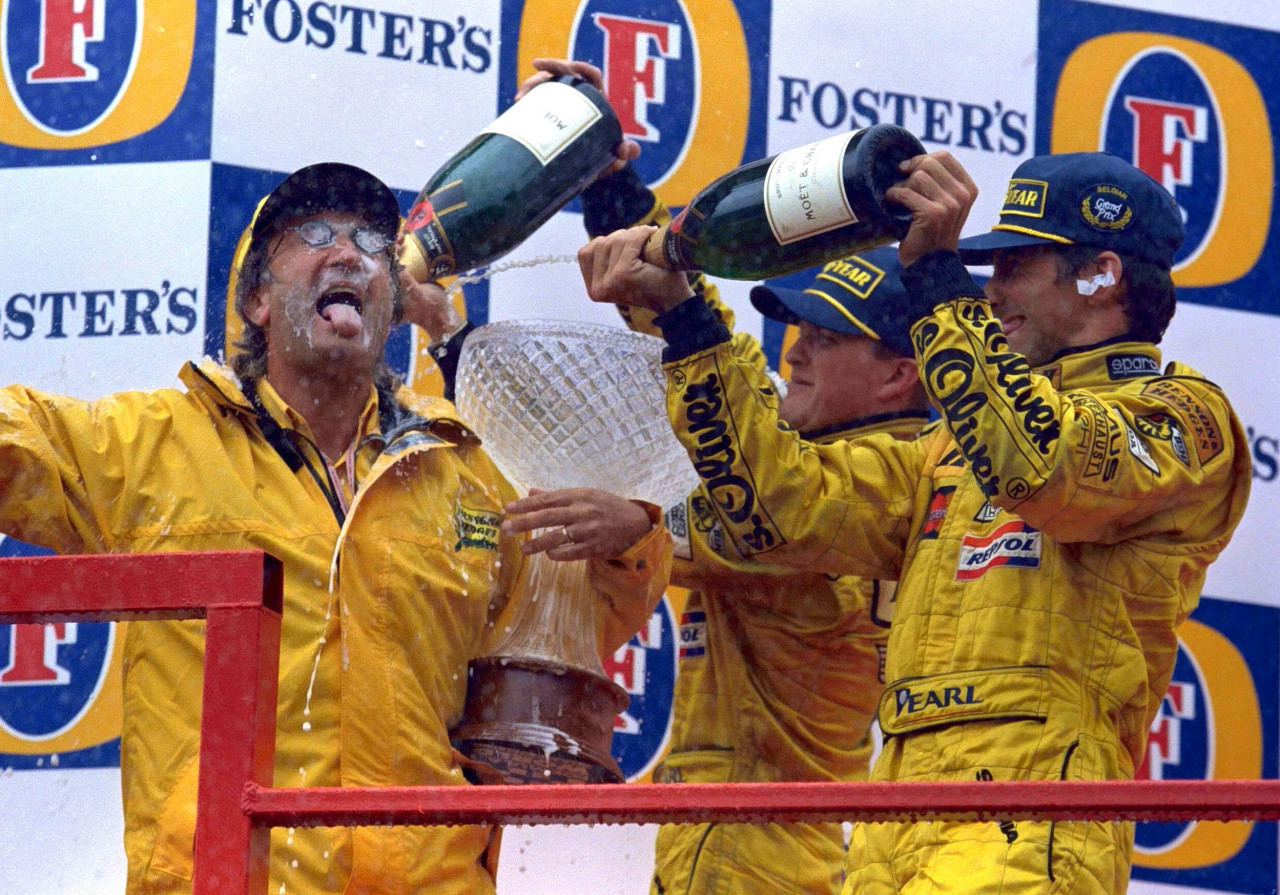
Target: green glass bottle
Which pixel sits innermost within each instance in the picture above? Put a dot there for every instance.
(800, 208)
(505, 183)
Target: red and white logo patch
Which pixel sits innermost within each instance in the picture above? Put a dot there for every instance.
(1012, 544)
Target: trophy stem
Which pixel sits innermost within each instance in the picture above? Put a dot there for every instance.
(558, 621)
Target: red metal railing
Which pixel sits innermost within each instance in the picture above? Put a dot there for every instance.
(239, 595)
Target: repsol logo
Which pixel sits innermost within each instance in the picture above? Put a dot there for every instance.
(942, 121)
(715, 459)
(91, 313)
(364, 31)
(1265, 451)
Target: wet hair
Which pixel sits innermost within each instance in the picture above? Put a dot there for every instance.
(249, 361)
(1146, 289)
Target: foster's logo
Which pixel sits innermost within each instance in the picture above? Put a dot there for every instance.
(646, 668)
(85, 73)
(1217, 721)
(696, 107)
(1193, 118)
(60, 703)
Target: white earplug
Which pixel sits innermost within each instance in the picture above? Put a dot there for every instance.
(1094, 283)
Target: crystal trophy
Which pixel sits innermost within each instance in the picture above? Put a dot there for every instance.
(561, 404)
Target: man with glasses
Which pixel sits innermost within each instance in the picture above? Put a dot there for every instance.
(311, 451)
(1048, 537)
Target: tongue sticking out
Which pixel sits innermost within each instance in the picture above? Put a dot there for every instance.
(345, 319)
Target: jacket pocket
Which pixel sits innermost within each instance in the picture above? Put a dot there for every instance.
(984, 694)
(176, 827)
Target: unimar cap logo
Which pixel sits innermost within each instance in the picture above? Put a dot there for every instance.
(1025, 198)
(687, 80)
(1106, 208)
(80, 73)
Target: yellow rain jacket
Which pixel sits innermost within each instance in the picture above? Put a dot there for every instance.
(373, 670)
(1048, 539)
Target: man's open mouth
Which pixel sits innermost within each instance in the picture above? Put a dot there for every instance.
(342, 307)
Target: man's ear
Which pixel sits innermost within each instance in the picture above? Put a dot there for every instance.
(256, 309)
(1100, 279)
(902, 380)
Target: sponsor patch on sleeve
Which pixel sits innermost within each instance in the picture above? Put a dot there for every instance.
(676, 518)
(1165, 428)
(1138, 448)
(1206, 435)
(693, 634)
(1013, 544)
(1101, 441)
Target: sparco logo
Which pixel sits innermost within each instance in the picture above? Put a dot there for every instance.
(446, 43)
(1127, 366)
(139, 311)
(944, 121)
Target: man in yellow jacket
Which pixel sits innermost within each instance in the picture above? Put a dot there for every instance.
(780, 669)
(383, 508)
(1048, 538)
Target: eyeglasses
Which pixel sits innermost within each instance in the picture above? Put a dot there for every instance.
(321, 234)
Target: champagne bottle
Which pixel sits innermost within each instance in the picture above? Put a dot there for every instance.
(802, 207)
(505, 183)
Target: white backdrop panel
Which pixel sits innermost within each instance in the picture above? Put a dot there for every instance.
(137, 239)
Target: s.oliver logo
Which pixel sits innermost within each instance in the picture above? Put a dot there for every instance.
(1217, 721)
(81, 73)
(1193, 118)
(646, 668)
(60, 702)
(687, 80)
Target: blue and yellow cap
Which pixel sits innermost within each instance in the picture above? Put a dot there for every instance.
(860, 295)
(1083, 198)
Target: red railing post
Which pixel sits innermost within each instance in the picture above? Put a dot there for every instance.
(239, 593)
(237, 744)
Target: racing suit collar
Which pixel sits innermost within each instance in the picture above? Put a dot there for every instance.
(901, 421)
(1105, 363)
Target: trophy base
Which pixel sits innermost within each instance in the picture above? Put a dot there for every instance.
(540, 722)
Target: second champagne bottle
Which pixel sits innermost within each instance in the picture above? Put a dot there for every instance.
(503, 185)
(800, 208)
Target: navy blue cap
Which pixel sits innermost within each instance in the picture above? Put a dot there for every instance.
(1092, 199)
(330, 186)
(860, 295)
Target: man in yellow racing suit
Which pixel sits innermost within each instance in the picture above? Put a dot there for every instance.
(780, 669)
(1048, 538)
(383, 508)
